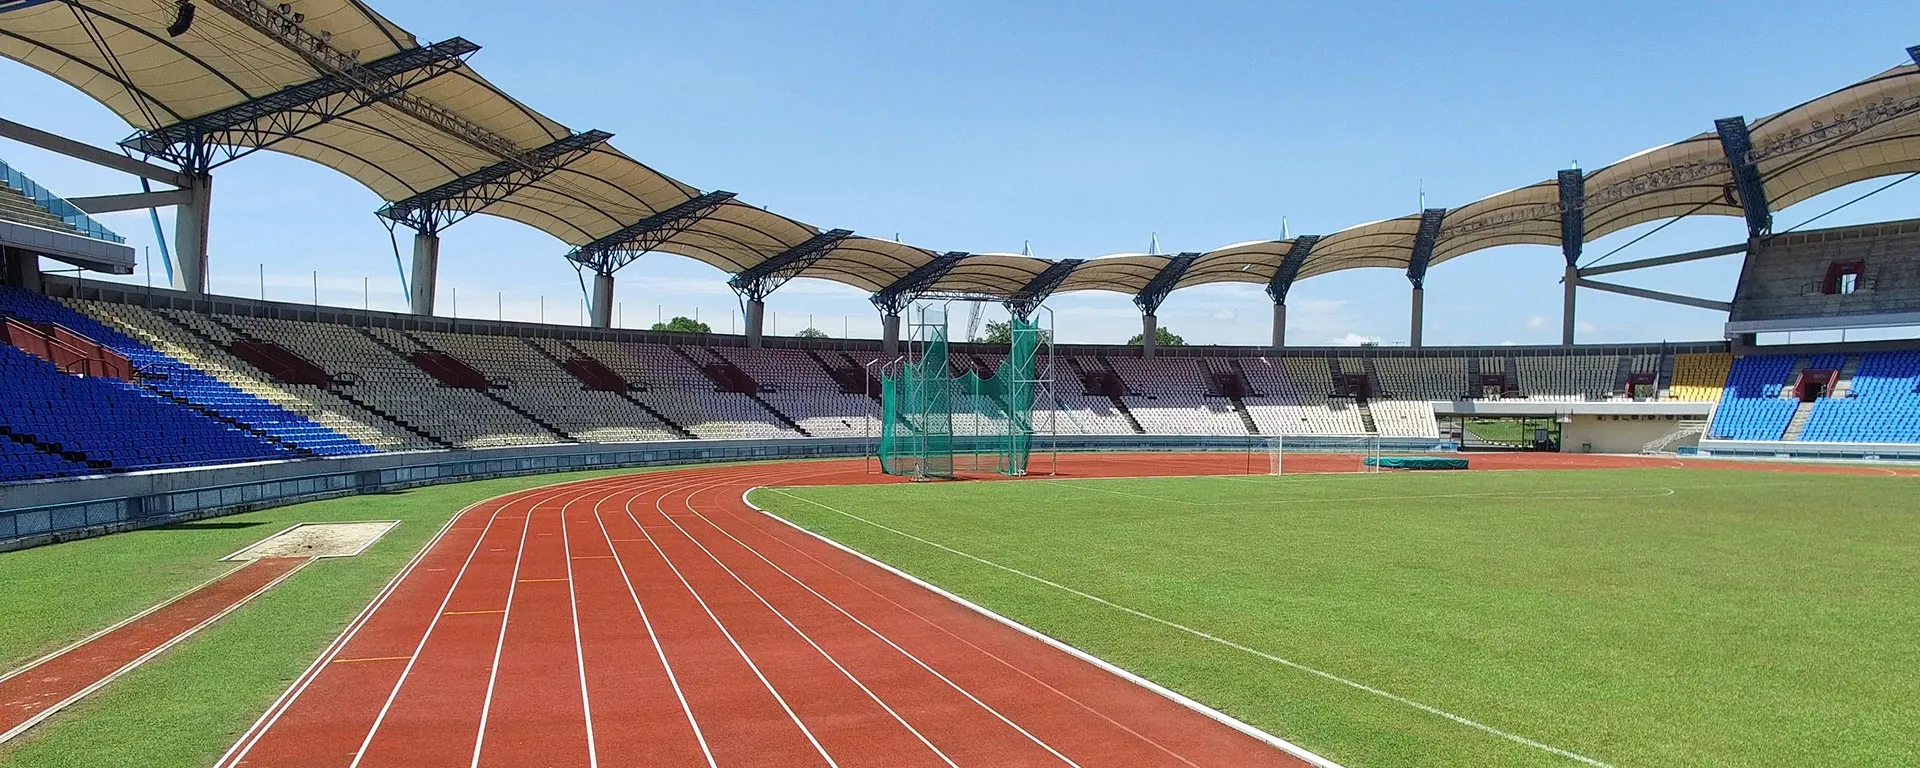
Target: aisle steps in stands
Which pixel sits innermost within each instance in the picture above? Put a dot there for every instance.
(1844, 384)
(423, 352)
(457, 373)
(279, 362)
(598, 376)
(1799, 421)
(336, 386)
(1793, 377)
(1665, 383)
(1623, 376)
(1366, 415)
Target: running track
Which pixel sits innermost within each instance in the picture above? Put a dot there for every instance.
(655, 619)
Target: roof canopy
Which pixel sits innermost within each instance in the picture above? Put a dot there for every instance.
(334, 82)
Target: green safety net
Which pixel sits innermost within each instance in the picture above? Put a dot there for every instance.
(934, 422)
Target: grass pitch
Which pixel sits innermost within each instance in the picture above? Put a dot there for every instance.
(1702, 617)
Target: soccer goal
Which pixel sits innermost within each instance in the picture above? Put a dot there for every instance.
(1317, 454)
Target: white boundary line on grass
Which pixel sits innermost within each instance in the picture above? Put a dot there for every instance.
(1250, 730)
(1223, 718)
(42, 715)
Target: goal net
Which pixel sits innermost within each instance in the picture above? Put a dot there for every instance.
(1316, 454)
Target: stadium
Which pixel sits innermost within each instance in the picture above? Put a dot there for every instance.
(237, 531)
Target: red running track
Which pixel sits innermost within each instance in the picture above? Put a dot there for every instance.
(655, 619)
(36, 691)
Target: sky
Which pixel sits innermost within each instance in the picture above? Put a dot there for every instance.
(1075, 129)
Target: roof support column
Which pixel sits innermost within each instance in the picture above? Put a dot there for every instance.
(1282, 282)
(601, 312)
(890, 334)
(1149, 298)
(756, 316)
(22, 268)
(1419, 316)
(1573, 236)
(190, 234)
(426, 272)
(1423, 241)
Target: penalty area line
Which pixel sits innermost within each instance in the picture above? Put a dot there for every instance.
(1429, 709)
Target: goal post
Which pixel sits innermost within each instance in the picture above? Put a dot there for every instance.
(1317, 454)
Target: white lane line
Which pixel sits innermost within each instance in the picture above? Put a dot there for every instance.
(931, 623)
(644, 621)
(50, 711)
(493, 670)
(413, 658)
(816, 646)
(579, 653)
(247, 740)
(729, 635)
(1102, 664)
(1513, 737)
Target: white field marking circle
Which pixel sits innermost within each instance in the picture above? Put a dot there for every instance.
(1513, 737)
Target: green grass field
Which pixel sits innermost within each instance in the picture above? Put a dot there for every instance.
(187, 706)
(1632, 617)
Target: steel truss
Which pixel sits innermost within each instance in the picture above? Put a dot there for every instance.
(1423, 242)
(1289, 269)
(206, 142)
(1162, 284)
(767, 276)
(1024, 301)
(443, 206)
(609, 254)
(894, 298)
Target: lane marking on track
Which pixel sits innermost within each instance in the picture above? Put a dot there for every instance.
(493, 669)
(541, 581)
(579, 651)
(688, 501)
(659, 651)
(729, 635)
(490, 611)
(371, 658)
(380, 719)
(1513, 737)
(1152, 687)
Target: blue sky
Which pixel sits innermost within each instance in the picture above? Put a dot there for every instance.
(1081, 128)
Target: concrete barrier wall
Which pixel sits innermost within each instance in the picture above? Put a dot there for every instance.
(1782, 449)
(49, 511)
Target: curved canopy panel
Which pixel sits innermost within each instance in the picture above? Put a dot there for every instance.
(1529, 215)
(1377, 244)
(1126, 273)
(119, 52)
(868, 263)
(333, 82)
(1864, 131)
(1688, 178)
(991, 274)
(1253, 262)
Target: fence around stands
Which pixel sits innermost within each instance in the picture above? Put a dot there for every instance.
(49, 511)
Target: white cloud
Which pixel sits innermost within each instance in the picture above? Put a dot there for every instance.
(1538, 323)
(1353, 340)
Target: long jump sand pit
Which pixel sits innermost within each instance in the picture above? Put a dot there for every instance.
(318, 540)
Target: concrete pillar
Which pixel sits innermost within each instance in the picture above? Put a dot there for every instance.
(190, 237)
(426, 272)
(1149, 333)
(1279, 326)
(23, 269)
(890, 335)
(1419, 316)
(601, 312)
(1571, 288)
(756, 322)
